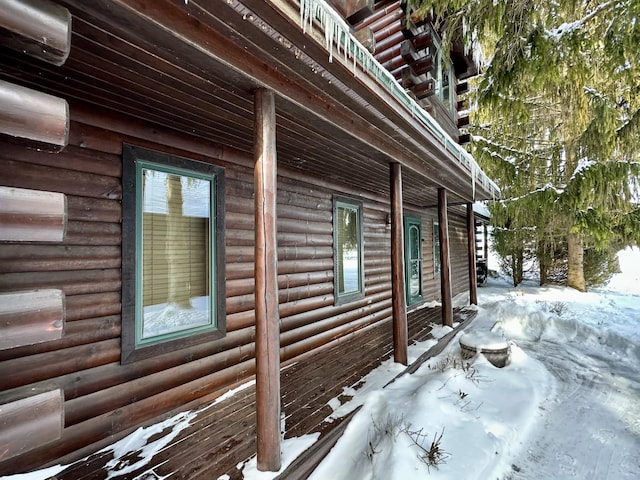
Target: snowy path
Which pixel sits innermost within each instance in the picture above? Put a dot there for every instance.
(591, 430)
(590, 427)
(567, 406)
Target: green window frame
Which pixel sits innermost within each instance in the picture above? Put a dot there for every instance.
(413, 259)
(436, 250)
(348, 241)
(443, 76)
(172, 253)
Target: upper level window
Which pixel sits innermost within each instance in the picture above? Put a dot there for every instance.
(173, 288)
(413, 259)
(348, 258)
(443, 77)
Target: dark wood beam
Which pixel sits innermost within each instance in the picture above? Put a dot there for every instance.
(354, 10)
(39, 28)
(445, 264)
(266, 285)
(397, 268)
(471, 246)
(252, 53)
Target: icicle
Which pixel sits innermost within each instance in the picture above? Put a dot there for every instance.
(474, 176)
(328, 37)
(336, 30)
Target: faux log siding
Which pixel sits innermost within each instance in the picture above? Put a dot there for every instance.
(85, 266)
(430, 283)
(309, 322)
(85, 361)
(103, 397)
(458, 251)
(305, 265)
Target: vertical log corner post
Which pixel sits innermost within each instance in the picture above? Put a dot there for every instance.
(266, 285)
(445, 263)
(399, 301)
(471, 246)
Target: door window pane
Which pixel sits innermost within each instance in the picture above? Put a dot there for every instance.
(415, 262)
(413, 259)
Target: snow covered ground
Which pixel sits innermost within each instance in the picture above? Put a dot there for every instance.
(566, 406)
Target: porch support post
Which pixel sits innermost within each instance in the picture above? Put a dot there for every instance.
(266, 285)
(445, 265)
(399, 301)
(471, 245)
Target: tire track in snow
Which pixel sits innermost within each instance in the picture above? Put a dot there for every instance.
(590, 430)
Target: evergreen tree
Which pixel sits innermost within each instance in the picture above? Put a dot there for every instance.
(558, 120)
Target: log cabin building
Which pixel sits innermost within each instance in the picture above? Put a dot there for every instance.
(196, 192)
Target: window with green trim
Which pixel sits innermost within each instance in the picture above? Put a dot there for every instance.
(443, 76)
(413, 259)
(348, 257)
(436, 249)
(173, 253)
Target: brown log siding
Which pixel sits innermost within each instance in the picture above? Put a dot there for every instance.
(86, 267)
(103, 397)
(458, 251)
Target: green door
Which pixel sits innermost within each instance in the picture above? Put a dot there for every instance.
(413, 259)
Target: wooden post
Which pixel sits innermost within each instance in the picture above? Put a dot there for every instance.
(266, 285)
(445, 264)
(399, 301)
(471, 244)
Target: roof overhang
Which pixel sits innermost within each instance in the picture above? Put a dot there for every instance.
(193, 66)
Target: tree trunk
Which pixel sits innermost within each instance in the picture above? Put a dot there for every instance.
(575, 273)
(543, 272)
(543, 262)
(517, 260)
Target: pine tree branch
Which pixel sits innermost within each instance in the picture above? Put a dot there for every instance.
(556, 34)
